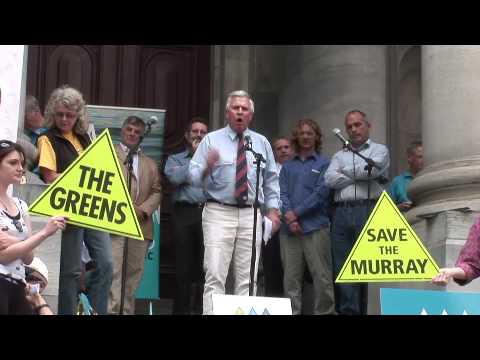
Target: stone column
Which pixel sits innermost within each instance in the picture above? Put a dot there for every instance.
(447, 191)
(233, 69)
(13, 81)
(324, 82)
(254, 68)
(450, 128)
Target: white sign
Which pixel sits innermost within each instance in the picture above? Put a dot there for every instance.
(250, 305)
(13, 69)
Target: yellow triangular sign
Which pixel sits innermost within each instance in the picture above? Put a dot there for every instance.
(239, 311)
(387, 250)
(92, 192)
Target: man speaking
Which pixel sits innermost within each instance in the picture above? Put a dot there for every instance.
(227, 172)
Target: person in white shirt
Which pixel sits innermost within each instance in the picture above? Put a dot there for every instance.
(16, 239)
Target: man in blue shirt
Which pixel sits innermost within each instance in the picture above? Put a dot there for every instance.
(399, 186)
(305, 234)
(227, 173)
(187, 209)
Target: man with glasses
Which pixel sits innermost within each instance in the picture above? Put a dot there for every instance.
(188, 201)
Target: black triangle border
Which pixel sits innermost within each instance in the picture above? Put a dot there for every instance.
(383, 196)
(72, 165)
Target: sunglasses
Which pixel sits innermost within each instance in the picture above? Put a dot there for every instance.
(5, 144)
(33, 279)
(68, 115)
(32, 275)
(18, 225)
(15, 222)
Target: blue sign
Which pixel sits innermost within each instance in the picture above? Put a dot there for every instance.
(428, 302)
(149, 286)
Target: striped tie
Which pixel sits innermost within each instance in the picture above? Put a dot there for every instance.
(241, 187)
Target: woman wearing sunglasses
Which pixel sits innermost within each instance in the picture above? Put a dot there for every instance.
(16, 239)
(59, 147)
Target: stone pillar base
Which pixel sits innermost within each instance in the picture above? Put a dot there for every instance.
(447, 185)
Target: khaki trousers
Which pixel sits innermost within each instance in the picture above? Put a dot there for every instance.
(137, 251)
(228, 236)
(314, 249)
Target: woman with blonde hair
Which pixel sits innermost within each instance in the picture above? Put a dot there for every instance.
(65, 140)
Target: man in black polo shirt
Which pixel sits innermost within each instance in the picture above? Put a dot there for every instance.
(187, 223)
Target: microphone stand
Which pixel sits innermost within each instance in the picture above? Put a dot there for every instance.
(369, 167)
(258, 160)
(129, 164)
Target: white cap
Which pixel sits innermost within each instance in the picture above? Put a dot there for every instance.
(39, 266)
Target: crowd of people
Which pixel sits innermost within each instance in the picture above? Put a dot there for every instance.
(58, 139)
(317, 207)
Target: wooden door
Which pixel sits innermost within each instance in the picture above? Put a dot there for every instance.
(174, 78)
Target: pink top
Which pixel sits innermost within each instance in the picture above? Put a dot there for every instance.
(469, 257)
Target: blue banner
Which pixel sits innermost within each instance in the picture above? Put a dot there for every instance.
(149, 286)
(428, 302)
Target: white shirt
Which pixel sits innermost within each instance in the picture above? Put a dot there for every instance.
(135, 167)
(14, 269)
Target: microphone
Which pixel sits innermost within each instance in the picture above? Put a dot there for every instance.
(338, 134)
(153, 120)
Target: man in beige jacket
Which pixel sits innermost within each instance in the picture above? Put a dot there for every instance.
(146, 195)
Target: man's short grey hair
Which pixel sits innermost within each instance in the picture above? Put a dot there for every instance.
(356, 111)
(31, 104)
(239, 93)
